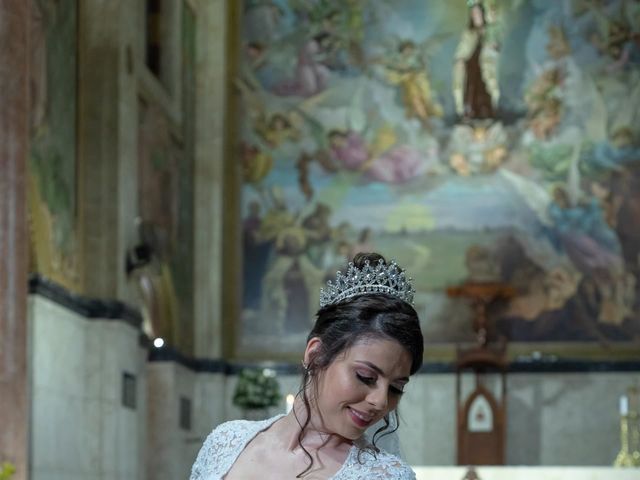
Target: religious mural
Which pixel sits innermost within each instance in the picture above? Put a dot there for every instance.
(485, 141)
(53, 147)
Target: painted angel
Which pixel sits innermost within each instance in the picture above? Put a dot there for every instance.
(406, 68)
(311, 74)
(574, 226)
(381, 161)
(377, 156)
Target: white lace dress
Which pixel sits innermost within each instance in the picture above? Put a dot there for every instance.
(225, 444)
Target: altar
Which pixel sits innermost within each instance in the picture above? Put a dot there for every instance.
(528, 473)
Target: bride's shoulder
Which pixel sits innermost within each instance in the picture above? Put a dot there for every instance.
(235, 429)
(222, 446)
(232, 430)
(380, 465)
(232, 426)
(393, 467)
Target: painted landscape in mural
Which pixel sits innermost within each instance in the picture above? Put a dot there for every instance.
(493, 141)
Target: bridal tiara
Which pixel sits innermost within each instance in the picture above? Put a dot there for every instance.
(381, 278)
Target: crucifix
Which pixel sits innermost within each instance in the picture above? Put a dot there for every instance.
(482, 295)
(481, 416)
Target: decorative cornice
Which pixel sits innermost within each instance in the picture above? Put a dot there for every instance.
(90, 308)
(547, 366)
(168, 354)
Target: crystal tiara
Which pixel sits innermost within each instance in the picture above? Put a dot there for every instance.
(381, 278)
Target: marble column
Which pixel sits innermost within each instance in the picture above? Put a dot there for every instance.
(14, 141)
(216, 182)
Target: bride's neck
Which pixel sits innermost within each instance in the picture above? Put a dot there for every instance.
(315, 435)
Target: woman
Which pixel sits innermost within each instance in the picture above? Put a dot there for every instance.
(475, 71)
(363, 348)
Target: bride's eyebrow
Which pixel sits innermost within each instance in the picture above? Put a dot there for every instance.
(378, 370)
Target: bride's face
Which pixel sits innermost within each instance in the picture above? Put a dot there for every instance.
(361, 386)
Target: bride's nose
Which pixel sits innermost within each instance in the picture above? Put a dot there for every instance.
(379, 398)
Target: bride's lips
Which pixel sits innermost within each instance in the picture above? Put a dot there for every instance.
(360, 419)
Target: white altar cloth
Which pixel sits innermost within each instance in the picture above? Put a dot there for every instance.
(529, 473)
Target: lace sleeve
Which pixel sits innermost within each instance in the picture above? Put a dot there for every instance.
(393, 470)
(219, 450)
(202, 465)
(367, 465)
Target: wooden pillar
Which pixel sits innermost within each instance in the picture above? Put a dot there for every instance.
(14, 144)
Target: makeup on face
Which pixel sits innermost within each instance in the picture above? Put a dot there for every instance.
(361, 386)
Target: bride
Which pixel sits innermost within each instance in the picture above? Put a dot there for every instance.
(363, 348)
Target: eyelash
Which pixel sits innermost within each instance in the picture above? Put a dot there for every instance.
(371, 381)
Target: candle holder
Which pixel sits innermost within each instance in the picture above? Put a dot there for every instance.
(629, 454)
(624, 457)
(634, 438)
(634, 424)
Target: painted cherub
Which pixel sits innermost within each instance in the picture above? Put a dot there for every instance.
(478, 149)
(273, 128)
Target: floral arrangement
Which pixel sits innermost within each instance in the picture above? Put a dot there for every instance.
(7, 470)
(256, 389)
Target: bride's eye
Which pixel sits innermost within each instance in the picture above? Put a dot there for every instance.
(396, 390)
(366, 380)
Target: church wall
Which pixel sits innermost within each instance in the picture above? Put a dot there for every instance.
(173, 445)
(546, 419)
(77, 367)
(80, 427)
(547, 423)
(143, 168)
(120, 155)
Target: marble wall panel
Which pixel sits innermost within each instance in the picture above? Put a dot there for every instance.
(121, 354)
(58, 346)
(121, 455)
(529, 473)
(185, 388)
(547, 423)
(208, 411)
(164, 436)
(81, 430)
(578, 417)
(427, 420)
(59, 440)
